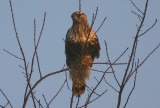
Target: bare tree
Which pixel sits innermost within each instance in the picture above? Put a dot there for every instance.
(131, 70)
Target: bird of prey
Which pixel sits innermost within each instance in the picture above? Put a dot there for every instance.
(81, 48)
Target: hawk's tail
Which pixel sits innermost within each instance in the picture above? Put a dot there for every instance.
(78, 87)
(79, 74)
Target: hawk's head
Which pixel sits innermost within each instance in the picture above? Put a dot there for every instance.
(79, 17)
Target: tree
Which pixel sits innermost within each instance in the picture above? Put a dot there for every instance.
(132, 65)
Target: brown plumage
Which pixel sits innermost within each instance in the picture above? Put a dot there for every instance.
(80, 53)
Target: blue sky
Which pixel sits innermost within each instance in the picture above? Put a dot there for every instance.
(118, 31)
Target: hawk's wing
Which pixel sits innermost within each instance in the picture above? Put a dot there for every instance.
(93, 45)
(74, 48)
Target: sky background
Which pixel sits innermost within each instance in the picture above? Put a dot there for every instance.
(118, 31)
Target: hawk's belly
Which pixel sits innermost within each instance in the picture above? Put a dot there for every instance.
(81, 67)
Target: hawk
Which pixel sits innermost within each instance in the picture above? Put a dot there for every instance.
(81, 48)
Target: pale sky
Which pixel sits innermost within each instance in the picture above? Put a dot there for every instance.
(118, 31)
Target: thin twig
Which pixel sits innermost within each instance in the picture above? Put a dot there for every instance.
(13, 55)
(6, 98)
(87, 101)
(35, 49)
(2, 106)
(56, 94)
(110, 64)
(38, 101)
(149, 28)
(79, 5)
(93, 20)
(111, 85)
(136, 7)
(102, 78)
(94, 99)
(22, 52)
(132, 53)
(133, 61)
(100, 71)
(137, 14)
(44, 19)
(6, 105)
(107, 63)
(101, 25)
(91, 90)
(132, 87)
(45, 100)
(71, 103)
(135, 41)
(148, 56)
(96, 79)
(40, 80)
(77, 101)
(67, 81)
(143, 61)
(32, 64)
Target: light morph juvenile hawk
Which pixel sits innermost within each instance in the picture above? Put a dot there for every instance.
(80, 53)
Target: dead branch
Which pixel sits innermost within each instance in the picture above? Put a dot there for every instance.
(94, 99)
(38, 82)
(101, 25)
(40, 35)
(45, 100)
(22, 52)
(148, 28)
(79, 5)
(110, 64)
(8, 101)
(107, 63)
(35, 49)
(132, 55)
(100, 71)
(111, 85)
(136, 7)
(78, 101)
(131, 68)
(132, 87)
(13, 54)
(87, 101)
(140, 64)
(39, 102)
(93, 21)
(71, 103)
